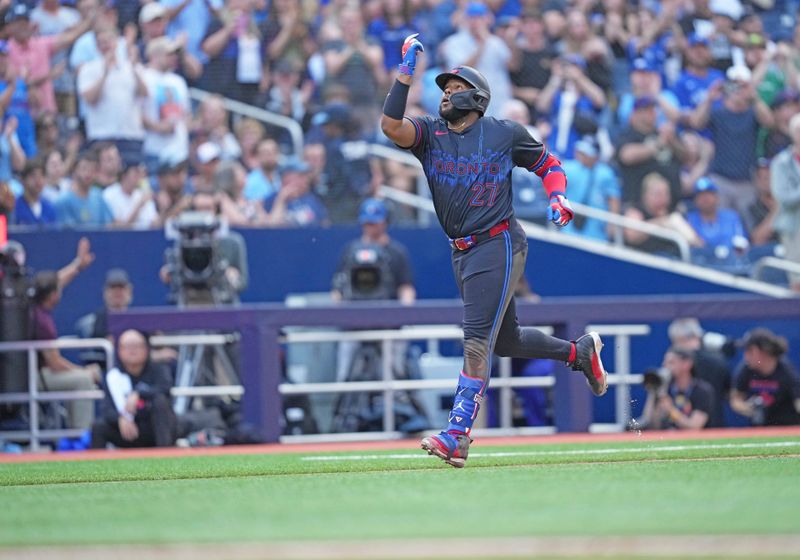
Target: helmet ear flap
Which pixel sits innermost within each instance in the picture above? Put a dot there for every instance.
(481, 101)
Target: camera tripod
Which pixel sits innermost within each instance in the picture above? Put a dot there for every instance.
(207, 359)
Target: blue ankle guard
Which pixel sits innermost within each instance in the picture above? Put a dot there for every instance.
(466, 403)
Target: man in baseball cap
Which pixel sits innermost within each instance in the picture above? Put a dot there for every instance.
(375, 267)
(372, 211)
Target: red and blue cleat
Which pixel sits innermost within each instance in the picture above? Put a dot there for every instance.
(449, 447)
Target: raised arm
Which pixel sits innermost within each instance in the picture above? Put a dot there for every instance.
(394, 126)
(83, 258)
(65, 39)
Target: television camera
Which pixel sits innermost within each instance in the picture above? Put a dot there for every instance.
(196, 268)
(366, 274)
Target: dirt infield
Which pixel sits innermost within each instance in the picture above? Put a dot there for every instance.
(695, 546)
(577, 438)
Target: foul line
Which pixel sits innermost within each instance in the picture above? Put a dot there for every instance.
(566, 452)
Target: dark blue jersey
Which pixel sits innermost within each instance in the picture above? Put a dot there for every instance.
(469, 172)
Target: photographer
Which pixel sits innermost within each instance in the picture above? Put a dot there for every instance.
(208, 263)
(675, 399)
(767, 388)
(711, 354)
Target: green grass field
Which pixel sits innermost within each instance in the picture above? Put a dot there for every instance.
(698, 487)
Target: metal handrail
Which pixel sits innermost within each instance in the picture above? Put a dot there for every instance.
(774, 262)
(405, 385)
(409, 333)
(424, 203)
(67, 342)
(35, 435)
(294, 128)
(623, 378)
(628, 223)
(621, 252)
(386, 152)
(157, 340)
(34, 396)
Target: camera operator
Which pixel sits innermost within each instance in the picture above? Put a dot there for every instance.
(208, 263)
(373, 267)
(711, 354)
(675, 398)
(767, 388)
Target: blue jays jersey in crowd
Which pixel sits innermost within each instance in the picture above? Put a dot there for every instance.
(469, 172)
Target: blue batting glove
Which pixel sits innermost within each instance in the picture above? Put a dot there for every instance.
(560, 212)
(410, 48)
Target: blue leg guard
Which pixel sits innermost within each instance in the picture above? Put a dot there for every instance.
(466, 403)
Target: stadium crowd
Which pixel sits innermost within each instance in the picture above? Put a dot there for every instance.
(679, 113)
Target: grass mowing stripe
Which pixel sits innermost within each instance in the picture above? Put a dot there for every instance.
(564, 452)
(713, 497)
(254, 465)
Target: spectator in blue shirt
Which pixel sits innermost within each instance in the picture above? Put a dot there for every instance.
(646, 81)
(14, 102)
(294, 205)
(264, 180)
(692, 85)
(733, 112)
(83, 204)
(572, 102)
(12, 156)
(391, 28)
(717, 227)
(192, 17)
(31, 207)
(435, 22)
(591, 183)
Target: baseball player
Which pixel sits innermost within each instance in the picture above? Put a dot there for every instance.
(467, 159)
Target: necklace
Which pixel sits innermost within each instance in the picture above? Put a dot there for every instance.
(457, 126)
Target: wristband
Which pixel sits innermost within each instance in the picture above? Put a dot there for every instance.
(395, 105)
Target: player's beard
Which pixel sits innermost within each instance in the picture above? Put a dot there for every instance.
(452, 113)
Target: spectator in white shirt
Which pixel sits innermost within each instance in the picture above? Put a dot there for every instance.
(112, 89)
(475, 45)
(85, 48)
(167, 109)
(131, 204)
